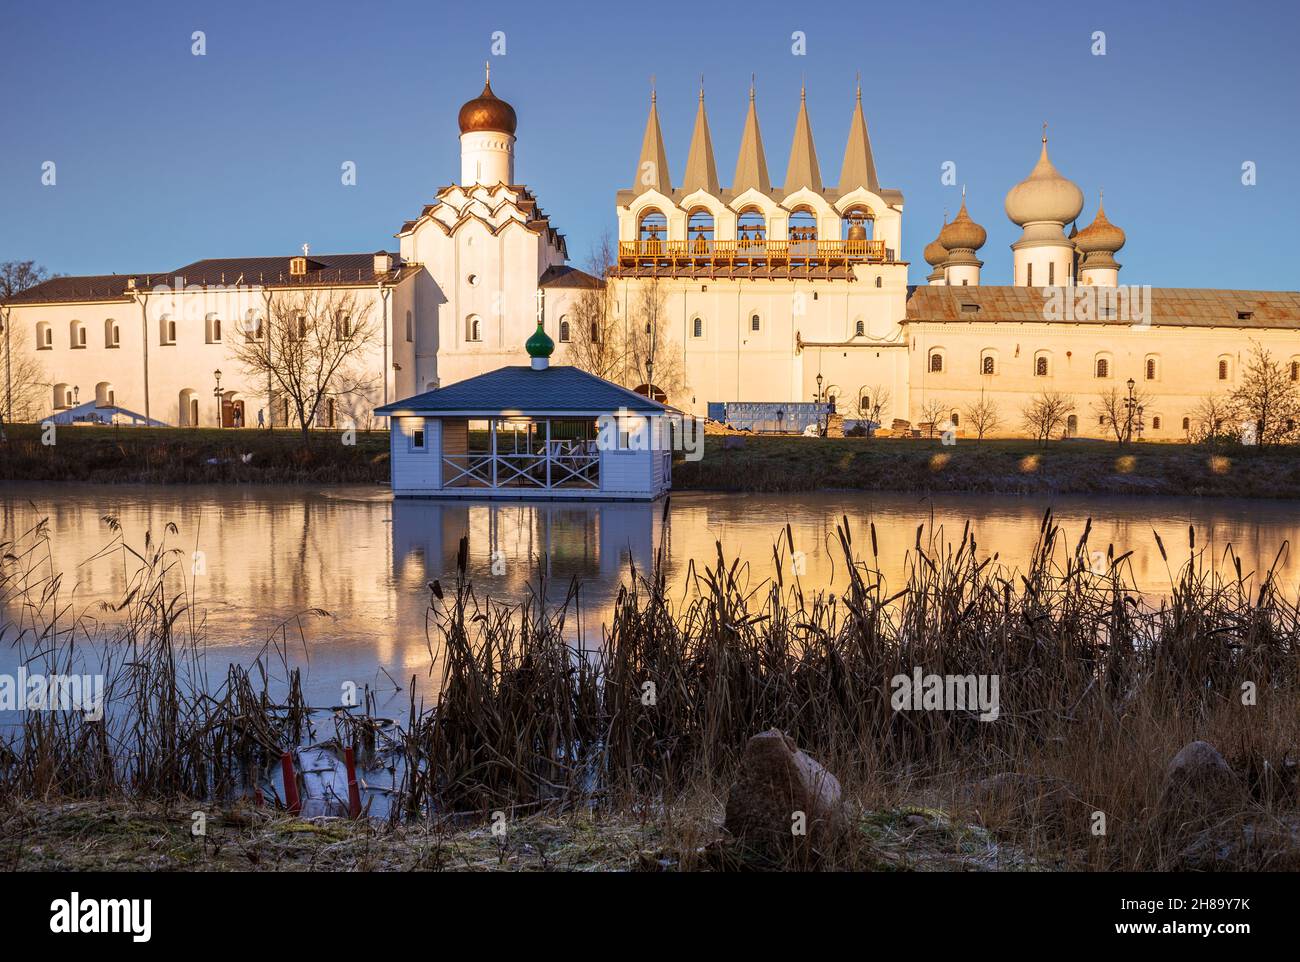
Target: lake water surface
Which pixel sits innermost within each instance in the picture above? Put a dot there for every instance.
(267, 554)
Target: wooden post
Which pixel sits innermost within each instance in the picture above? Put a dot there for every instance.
(354, 791)
(291, 800)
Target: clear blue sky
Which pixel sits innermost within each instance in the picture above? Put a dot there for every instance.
(164, 157)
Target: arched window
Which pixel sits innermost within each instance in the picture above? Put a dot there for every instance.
(1187, 424)
(755, 323)
(1072, 426)
(1151, 369)
(473, 328)
(564, 330)
(955, 418)
(166, 330)
(1040, 366)
(652, 232)
(343, 324)
(1029, 275)
(1223, 369)
(880, 284)
(105, 397)
(44, 336)
(751, 232)
(595, 332)
(860, 328)
(1155, 422)
(112, 334)
(803, 233)
(699, 232)
(1103, 367)
(76, 335)
(936, 362)
(1295, 370)
(410, 326)
(62, 396)
(856, 228)
(212, 329)
(697, 327)
(987, 364)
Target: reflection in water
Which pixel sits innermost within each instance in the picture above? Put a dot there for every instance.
(261, 556)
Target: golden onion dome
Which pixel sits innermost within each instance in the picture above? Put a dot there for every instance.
(963, 233)
(487, 111)
(1044, 195)
(1100, 235)
(935, 253)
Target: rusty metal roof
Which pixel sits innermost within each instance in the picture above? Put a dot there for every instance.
(1167, 306)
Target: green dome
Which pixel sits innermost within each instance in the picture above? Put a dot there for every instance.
(539, 344)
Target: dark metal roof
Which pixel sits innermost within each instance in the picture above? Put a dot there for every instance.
(566, 276)
(1167, 306)
(557, 389)
(98, 287)
(274, 271)
(322, 269)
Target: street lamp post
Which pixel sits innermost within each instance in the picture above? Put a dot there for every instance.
(76, 395)
(216, 393)
(1129, 407)
(820, 400)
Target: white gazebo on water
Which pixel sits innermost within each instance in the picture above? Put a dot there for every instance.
(532, 431)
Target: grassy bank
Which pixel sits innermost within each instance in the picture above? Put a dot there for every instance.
(109, 455)
(786, 464)
(104, 836)
(765, 464)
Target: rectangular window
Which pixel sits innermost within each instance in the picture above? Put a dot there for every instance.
(417, 439)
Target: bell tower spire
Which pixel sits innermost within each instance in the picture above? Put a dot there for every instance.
(652, 166)
(859, 169)
(751, 163)
(701, 169)
(803, 170)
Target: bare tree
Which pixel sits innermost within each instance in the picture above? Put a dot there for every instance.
(312, 351)
(24, 375)
(1266, 406)
(1047, 414)
(983, 416)
(650, 355)
(1211, 420)
(1112, 407)
(594, 342)
(932, 410)
(873, 399)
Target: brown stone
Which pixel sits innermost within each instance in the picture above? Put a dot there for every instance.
(1199, 788)
(775, 782)
(1022, 800)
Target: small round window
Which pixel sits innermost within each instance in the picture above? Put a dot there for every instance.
(473, 280)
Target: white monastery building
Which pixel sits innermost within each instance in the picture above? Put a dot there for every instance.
(753, 291)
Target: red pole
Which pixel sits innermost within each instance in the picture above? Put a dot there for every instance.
(354, 791)
(291, 800)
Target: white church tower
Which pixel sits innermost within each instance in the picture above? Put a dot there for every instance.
(1043, 203)
(487, 139)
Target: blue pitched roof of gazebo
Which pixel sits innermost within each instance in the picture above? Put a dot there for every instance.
(522, 390)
